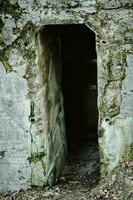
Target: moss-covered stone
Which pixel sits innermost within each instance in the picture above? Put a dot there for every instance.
(36, 157)
(5, 60)
(101, 131)
(100, 5)
(12, 9)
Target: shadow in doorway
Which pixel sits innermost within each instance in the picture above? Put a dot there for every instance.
(79, 86)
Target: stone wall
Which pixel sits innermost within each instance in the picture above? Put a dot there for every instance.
(24, 111)
(50, 68)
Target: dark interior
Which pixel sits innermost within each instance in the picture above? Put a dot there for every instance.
(79, 85)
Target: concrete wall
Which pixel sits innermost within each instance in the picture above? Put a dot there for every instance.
(24, 158)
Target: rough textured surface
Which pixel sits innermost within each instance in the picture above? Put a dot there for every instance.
(50, 67)
(24, 128)
(118, 186)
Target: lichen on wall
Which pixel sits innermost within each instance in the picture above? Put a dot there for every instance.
(115, 132)
(24, 119)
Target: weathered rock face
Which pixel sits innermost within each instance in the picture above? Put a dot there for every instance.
(32, 144)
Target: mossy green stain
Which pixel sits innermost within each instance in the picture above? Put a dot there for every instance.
(5, 60)
(36, 157)
(31, 55)
(100, 6)
(129, 152)
(101, 132)
(12, 9)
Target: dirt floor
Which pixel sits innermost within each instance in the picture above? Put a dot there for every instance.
(81, 174)
(115, 187)
(81, 181)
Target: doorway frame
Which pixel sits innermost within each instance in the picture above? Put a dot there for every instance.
(51, 177)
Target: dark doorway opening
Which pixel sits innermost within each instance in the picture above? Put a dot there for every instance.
(79, 87)
(78, 81)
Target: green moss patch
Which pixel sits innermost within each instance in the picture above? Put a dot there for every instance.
(36, 157)
(11, 9)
